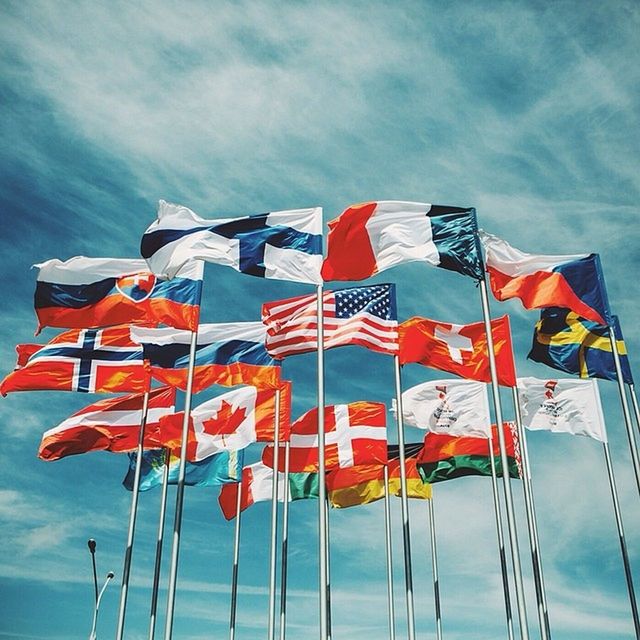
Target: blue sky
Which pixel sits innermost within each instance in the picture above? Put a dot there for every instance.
(526, 110)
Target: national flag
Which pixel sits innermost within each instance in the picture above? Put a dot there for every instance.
(220, 468)
(563, 406)
(285, 245)
(453, 407)
(565, 341)
(458, 348)
(226, 353)
(86, 360)
(364, 316)
(355, 434)
(446, 457)
(97, 292)
(229, 421)
(574, 282)
(112, 424)
(371, 237)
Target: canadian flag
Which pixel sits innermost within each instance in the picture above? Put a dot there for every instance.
(355, 434)
(458, 348)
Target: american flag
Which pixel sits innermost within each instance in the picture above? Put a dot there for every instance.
(364, 316)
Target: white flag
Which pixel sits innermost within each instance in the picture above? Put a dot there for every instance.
(565, 406)
(452, 407)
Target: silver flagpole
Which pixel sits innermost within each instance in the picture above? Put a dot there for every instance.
(633, 447)
(387, 541)
(434, 565)
(406, 532)
(158, 565)
(132, 516)
(527, 486)
(634, 402)
(508, 497)
(274, 522)
(329, 631)
(236, 561)
(623, 544)
(285, 546)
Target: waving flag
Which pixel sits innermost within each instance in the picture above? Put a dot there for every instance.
(227, 354)
(565, 341)
(371, 237)
(108, 425)
(355, 434)
(574, 282)
(458, 348)
(98, 292)
(364, 316)
(86, 360)
(285, 245)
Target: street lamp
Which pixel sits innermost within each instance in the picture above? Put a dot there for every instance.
(92, 635)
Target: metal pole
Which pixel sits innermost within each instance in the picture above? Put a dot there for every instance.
(274, 522)
(387, 541)
(623, 544)
(634, 402)
(156, 572)
(329, 631)
(91, 543)
(508, 497)
(124, 589)
(501, 549)
(285, 546)
(236, 561)
(406, 532)
(92, 635)
(434, 565)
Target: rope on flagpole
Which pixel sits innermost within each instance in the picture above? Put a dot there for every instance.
(434, 565)
(285, 545)
(236, 563)
(389, 555)
(273, 551)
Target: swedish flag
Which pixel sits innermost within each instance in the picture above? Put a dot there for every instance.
(565, 341)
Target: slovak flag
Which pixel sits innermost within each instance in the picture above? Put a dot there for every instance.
(574, 282)
(284, 245)
(99, 292)
(458, 348)
(86, 360)
(371, 237)
(355, 434)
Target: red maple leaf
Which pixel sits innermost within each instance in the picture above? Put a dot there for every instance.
(226, 421)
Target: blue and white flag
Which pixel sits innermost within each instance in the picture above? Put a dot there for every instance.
(282, 245)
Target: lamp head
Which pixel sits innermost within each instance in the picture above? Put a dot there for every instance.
(91, 543)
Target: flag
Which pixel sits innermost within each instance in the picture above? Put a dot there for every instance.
(458, 348)
(220, 468)
(97, 292)
(226, 353)
(112, 424)
(230, 421)
(364, 316)
(303, 486)
(563, 406)
(447, 457)
(565, 341)
(371, 237)
(452, 407)
(574, 282)
(285, 245)
(86, 360)
(355, 434)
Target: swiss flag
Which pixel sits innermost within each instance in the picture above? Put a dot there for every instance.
(458, 348)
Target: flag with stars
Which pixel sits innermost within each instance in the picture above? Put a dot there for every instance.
(364, 316)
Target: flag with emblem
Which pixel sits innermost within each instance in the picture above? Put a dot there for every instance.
(355, 433)
(364, 316)
(86, 360)
(458, 348)
(284, 245)
(97, 292)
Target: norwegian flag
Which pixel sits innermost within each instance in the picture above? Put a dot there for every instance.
(364, 316)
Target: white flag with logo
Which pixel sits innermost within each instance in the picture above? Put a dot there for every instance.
(452, 407)
(565, 406)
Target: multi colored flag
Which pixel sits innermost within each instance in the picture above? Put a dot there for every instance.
(284, 245)
(371, 237)
(364, 316)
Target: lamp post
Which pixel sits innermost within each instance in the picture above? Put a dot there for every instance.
(91, 543)
(92, 635)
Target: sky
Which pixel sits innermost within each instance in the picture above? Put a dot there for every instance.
(528, 111)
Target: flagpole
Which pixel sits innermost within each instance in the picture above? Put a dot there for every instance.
(236, 562)
(285, 545)
(133, 513)
(406, 532)
(274, 521)
(387, 540)
(623, 544)
(634, 402)
(508, 496)
(501, 548)
(329, 631)
(434, 565)
(532, 524)
(158, 565)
